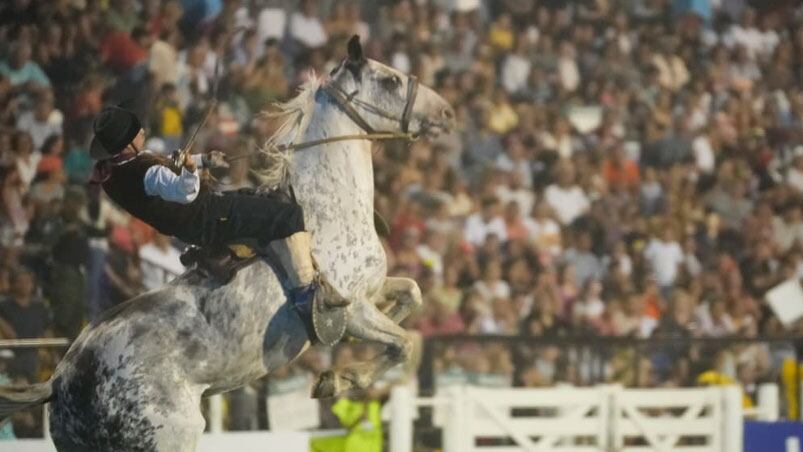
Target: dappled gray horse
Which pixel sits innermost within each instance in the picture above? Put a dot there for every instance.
(133, 380)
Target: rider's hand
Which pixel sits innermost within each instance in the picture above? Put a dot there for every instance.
(215, 160)
(189, 163)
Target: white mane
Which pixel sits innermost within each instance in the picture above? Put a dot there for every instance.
(297, 113)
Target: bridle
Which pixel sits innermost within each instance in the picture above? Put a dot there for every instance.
(349, 104)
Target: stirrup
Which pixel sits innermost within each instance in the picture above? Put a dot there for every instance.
(330, 296)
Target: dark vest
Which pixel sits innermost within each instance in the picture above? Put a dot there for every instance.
(126, 187)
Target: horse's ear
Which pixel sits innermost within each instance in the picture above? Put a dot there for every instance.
(355, 50)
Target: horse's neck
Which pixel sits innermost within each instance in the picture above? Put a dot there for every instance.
(334, 184)
(340, 170)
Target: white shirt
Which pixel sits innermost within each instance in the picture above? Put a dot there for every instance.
(524, 198)
(545, 231)
(161, 181)
(569, 203)
(27, 169)
(307, 30)
(40, 130)
(515, 72)
(794, 177)
(664, 258)
(477, 229)
(703, 154)
(569, 74)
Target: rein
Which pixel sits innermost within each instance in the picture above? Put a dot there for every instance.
(347, 103)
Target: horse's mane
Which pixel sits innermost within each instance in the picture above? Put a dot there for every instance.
(295, 116)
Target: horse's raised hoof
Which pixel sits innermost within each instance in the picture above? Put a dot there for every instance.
(326, 386)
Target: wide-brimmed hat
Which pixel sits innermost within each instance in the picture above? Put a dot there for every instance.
(115, 128)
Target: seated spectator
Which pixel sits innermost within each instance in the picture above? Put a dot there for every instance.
(305, 26)
(50, 188)
(21, 71)
(567, 199)
(587, 265)
(516, 68)
(491, 285)
(618, 170)
(544, 231)
(168, 117)
(122, 16)
(41, 122)
(16, 212)
(51, 151)
(26, 159)
(486, 222)
(121, 51)
(665, 256)
(24, 316)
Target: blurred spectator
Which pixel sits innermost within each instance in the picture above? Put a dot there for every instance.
(24, 316)
(41, 122)
(305, 26)
(21, 71)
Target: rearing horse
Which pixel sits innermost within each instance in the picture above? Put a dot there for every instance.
(133, 380)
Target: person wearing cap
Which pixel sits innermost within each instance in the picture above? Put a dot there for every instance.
(175, 202)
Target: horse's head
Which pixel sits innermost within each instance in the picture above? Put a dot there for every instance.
(380, 98)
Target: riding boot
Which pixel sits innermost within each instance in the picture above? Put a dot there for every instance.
(295, 255)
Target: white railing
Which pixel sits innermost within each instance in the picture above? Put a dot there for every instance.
(563, 419)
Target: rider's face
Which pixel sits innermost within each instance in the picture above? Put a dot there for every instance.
(139, 141)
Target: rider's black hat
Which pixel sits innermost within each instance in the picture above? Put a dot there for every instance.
(115, 128)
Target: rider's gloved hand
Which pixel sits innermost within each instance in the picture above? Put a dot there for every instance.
(215, 160)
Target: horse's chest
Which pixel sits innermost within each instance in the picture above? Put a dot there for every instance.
(351, 258)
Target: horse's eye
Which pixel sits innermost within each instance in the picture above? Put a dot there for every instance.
(391, 82)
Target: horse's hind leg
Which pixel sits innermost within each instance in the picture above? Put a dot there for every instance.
(182, 423)
(404, 296)
(368, 323)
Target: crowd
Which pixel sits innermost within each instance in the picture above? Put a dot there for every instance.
(620, 167)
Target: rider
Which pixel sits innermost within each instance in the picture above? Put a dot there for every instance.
(175, 202)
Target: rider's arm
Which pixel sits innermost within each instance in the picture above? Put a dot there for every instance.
(162, 182)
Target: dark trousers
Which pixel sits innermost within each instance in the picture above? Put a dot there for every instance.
(236, 217)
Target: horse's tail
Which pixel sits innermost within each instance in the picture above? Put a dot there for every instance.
(18, 397)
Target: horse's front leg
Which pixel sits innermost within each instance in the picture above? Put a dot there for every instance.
(368, 323)
(401, 297)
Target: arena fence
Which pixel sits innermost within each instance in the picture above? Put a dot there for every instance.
(562, 419)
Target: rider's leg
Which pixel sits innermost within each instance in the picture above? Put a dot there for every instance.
(295, 255)
(279, 225)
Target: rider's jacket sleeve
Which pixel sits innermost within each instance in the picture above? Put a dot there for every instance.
(162, 182)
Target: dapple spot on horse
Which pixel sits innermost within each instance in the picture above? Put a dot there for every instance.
(133, 381)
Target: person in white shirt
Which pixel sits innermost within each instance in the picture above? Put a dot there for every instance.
(41, 122)
(794, 176)
(703, 151)
(567, 199)
(306, 27)
(516, 69)
(486, 222)
(665, 256)
(514, 191)
(544, 231)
